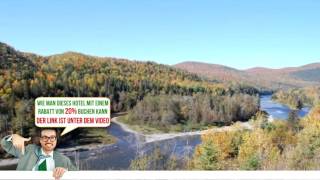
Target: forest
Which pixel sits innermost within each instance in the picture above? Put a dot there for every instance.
(187, 113)
(277, 145)
(26, 76)
(296, 98)
(166, 99)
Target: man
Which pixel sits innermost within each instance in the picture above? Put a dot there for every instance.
(36, 158)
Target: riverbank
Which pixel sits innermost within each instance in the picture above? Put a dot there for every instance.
(164, 136)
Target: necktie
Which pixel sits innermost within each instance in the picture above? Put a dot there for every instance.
(43, 166)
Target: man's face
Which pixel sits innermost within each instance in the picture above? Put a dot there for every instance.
(48, 140)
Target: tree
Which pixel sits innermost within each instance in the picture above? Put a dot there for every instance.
(293, 120)
(207, 155)
(249, 158)
(306, 155)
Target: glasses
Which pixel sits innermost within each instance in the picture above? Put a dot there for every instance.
(46, 138)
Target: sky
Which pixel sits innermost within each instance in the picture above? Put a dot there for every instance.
(236, 33)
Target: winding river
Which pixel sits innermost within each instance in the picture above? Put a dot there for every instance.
(278, 110)
(131, 145)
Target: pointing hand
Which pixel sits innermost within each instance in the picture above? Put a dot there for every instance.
(19, 142)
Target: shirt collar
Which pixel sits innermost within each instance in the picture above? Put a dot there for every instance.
(50, 154)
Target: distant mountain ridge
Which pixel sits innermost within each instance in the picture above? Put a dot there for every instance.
(285, 69)
(261, 77)
(289, 77)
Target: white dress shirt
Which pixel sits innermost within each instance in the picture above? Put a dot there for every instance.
(49, 161)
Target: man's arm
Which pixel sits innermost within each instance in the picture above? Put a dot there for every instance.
(7, 145)
(14, 144)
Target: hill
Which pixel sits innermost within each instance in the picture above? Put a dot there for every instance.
(219, 72)
(261, 77)
(26, 76)
(12, 60)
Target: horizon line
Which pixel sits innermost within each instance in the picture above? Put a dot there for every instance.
(157, 61)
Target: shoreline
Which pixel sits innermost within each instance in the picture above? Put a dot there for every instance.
(164, 136)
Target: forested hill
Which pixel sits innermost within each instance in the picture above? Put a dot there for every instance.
(291, 77)
(11, 60)
(26, 76)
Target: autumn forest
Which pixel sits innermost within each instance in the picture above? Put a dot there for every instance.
(170, 99)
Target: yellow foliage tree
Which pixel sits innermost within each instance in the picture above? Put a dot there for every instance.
(306, 155)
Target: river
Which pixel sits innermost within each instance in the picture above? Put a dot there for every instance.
(278, 110)
(130, 145)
